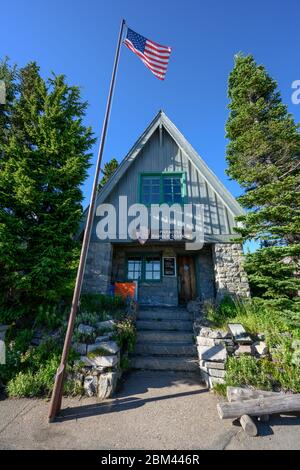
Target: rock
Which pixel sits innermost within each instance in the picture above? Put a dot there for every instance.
(106, 325)
(109, 346)
(107, 337)
(4, 328)
(239, 333)
(216, 373)
(90, 385)
(203, 341)
(215, 365)
(92, 347)
(215, 380)
(202, 366)
(216, 353)
(243, 349)
(214, 334)
(205, 377)
(104, 361)
(260, 348)
(85, 360)
(107, 384)
(81, 348)
(2, 353)
(85, 329)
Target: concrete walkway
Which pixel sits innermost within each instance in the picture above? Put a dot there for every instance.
(153, 410)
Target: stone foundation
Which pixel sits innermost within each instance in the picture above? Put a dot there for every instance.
(230, 276)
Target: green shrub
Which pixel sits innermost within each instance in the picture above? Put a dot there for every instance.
(15, 349)
(100, 303)
(24, 384)
(125, 363)
(34, 383)
(126, 335)
(50, 316)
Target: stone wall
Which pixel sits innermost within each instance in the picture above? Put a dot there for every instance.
(230, 276)
(214, 346)
(205, 274)
(97, 274)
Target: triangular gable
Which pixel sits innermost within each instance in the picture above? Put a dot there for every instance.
(161, 119)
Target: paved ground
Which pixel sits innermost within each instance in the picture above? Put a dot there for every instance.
(153, 410)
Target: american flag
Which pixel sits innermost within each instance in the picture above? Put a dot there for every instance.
(154, 56)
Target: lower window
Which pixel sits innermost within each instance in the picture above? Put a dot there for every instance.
(145, 268)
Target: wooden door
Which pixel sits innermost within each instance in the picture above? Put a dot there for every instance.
(186, 279)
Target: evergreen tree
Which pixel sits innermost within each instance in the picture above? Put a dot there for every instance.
(44, 160)
(263, 156)
(108, 170)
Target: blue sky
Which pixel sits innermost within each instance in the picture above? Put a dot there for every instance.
(78, 38)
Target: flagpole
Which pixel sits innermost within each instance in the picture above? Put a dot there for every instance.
(57, 393)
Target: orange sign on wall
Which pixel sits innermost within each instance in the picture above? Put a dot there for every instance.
(125, 289)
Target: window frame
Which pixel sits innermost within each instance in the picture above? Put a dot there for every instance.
(161, 175)
(143, 257)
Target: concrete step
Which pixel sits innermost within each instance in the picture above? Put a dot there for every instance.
(164, 325)
(165, 336)
(164, 314)
(164, 363)
(166, 349)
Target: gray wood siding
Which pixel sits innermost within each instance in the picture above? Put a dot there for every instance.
(154, 157)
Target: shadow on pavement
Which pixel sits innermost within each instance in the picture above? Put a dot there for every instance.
(136, 383)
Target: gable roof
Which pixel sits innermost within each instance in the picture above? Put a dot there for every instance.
(161, 119)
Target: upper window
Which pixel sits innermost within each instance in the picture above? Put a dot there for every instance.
(161, 188)
(150, 189)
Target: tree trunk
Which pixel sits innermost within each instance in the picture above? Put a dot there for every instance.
(259, 406)
(240, 394)
(248, 425)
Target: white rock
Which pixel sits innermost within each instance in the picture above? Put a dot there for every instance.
(216, 373)
(86, 360)
(107, 384)
(2, 353)
(106, 325)
(214, 334)
(81, 348)
(85, 329)
(215, 380)
(107, 337)
(105, 361)
(260, 348)
(216, 353)
(90, 385)
(214, 365)
(203, 341)
(109, 346)
(243, 349)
